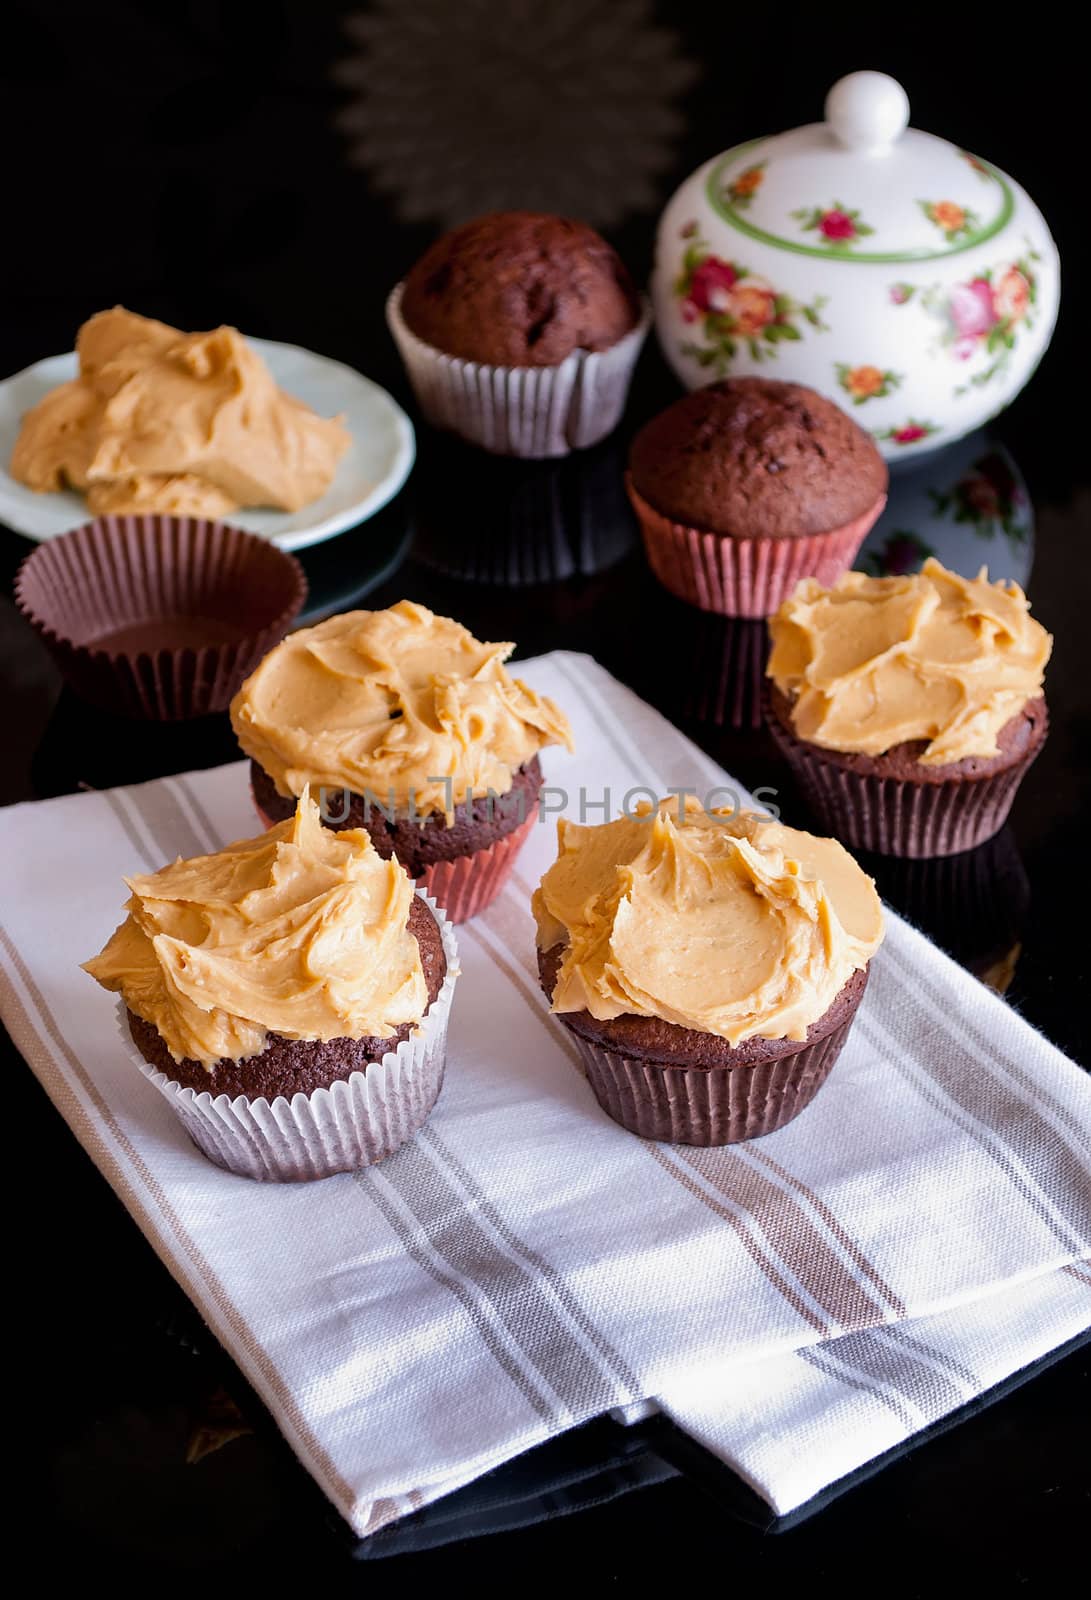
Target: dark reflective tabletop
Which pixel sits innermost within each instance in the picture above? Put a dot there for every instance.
(138, 1449)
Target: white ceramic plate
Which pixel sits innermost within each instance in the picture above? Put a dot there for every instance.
(369, 474)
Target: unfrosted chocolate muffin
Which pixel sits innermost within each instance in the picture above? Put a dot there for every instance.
(757, 458)
(520, 289)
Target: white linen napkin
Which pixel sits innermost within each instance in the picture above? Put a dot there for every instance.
(799, 1304)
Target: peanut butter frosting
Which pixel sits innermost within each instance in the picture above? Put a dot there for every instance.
(874, 662)
(722, 921)
(401, 706)
(301, 932)
(186, 423)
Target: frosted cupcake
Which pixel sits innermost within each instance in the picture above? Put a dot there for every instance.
(707, 963)
(404, 724)
(289, 996)
(909, 708)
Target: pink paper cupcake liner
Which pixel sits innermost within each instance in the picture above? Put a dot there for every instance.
(743, 577)
(709, 1106)
(532, 412)
(897, 816)
(159, 617)
(356, 1122)
(467, 884)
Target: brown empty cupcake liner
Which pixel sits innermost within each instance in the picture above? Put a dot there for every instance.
(103, 597)
(467, 884)
(355, 1122)
(709, 1105)
(897, 816)
(520, 411)
(743, 577)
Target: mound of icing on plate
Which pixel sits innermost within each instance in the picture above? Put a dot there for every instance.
(185, 423)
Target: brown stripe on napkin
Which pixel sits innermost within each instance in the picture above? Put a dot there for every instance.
(455, 1249)
(1058, 1171)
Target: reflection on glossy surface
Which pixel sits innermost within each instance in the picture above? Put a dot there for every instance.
(496, 520)
(716, 665)
(966, 505)
(975, 905)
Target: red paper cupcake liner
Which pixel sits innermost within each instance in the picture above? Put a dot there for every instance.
(743, 577)
(159, 617)
(709, 1105)
(467, 884)
(898, 816)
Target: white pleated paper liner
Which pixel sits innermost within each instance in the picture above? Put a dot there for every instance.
(356, 1122)
(532, 412)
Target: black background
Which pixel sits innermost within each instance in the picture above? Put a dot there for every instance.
(183, 160)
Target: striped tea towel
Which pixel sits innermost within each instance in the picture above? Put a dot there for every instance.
(798, 1304)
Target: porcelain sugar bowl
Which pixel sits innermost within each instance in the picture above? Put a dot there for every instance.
(910, 281)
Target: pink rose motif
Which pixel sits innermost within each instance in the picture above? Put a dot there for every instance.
(690, 312)
(837, 225)
(712, 283)
(963, 349)
(900, 293)
(972, 309)
(1012, 296)
(909, 434)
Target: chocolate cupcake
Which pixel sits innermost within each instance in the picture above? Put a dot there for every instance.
(707, 963)
(289, 996)
(909, 708)
(520, 331)
(746, 486)
(405, 725)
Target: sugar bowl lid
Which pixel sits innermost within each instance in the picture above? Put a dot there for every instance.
(861, 186)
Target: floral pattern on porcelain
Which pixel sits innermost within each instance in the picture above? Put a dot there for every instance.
(953, 221)
(865, 383)
(742, 189)
(980, 167)
(901, 552)
(961, 321)
(735, 309)
(987, 497)
(985, 313)
(910, 432)
(836, 225)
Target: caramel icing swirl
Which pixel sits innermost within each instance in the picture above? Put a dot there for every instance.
(190, 424)
(400, 705)
(726, 922)
(875, 662)
(301, 932)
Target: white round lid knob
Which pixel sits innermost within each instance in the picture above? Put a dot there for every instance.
(867, 110)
